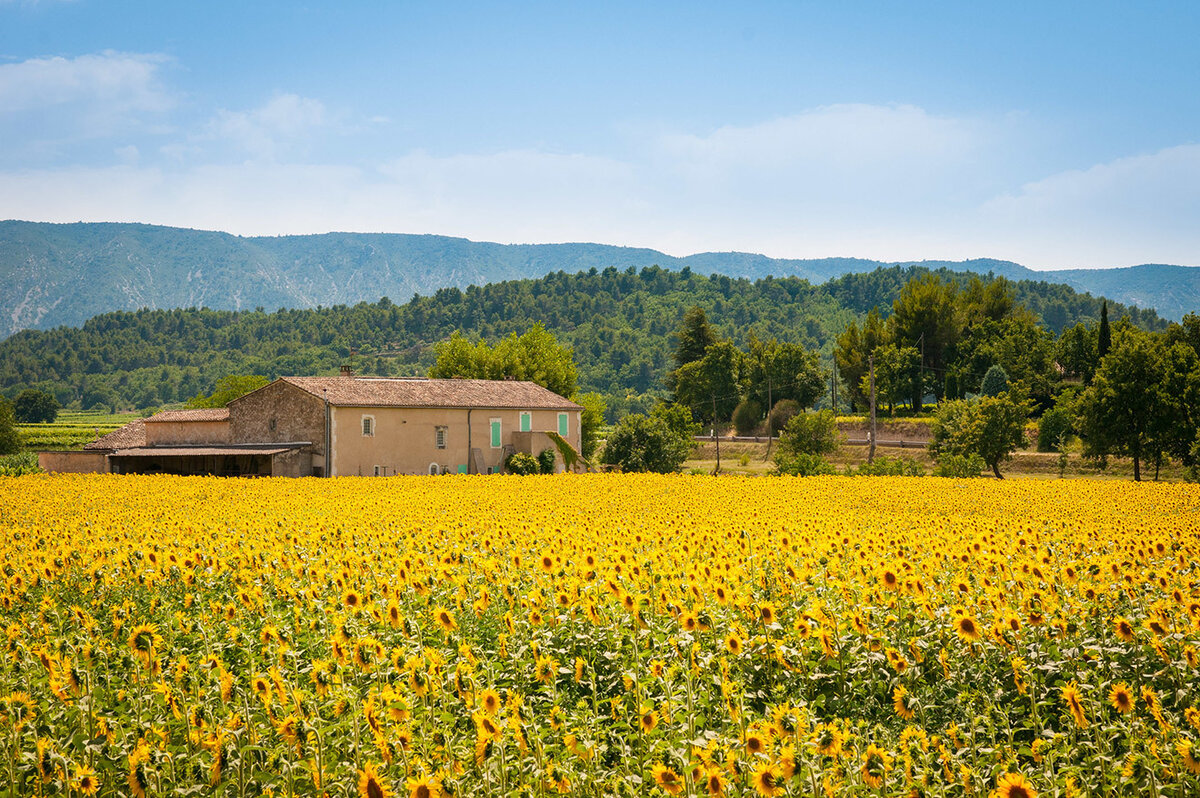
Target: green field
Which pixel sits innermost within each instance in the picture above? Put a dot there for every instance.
(71, 430)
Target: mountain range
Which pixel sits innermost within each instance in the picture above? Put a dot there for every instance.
(64, 274)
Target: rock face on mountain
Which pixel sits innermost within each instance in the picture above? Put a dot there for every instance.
(55, 274)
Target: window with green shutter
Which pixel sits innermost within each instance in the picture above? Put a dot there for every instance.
(495, 433)
(562, 424)
(526, 421)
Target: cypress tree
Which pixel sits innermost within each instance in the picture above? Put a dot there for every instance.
(1104, 339)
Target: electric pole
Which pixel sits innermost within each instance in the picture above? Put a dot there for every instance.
(871, 450)
(716, 437)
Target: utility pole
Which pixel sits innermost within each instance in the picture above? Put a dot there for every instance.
(716, 437)
(871, 450)
(770, 432)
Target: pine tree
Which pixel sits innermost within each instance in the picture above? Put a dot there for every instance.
(1104, 339)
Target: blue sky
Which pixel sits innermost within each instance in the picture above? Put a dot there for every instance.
(1058, 134)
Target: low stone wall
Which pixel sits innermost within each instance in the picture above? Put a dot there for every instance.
(73, 462)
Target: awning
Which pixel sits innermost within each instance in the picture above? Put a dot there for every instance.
(199, 451)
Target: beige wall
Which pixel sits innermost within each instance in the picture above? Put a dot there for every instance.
(404, 438)
(298, 416)
(73, 462)
(159, 433)
(292, 463)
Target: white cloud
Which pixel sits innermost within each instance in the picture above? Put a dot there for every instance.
(272, 129)
(119, 82)
(887, 182)
(1138, 209)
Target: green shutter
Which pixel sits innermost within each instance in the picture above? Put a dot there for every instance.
(562, 424)
(495, 434)
(526, 422)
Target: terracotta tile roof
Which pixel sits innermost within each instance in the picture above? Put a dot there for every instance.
(132, 434)
(198, 451)
(417, 392)
(191, 414)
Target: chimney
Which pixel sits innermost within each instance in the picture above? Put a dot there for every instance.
(346, 372)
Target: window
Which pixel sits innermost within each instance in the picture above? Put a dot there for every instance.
(376, 470)
(495, 423)
(368, 426)
(526, 421)
(439, 437)
(562, 424)
(271, 425)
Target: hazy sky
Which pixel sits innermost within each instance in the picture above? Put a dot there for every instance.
(1056, 134)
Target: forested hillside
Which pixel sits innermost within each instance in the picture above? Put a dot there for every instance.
(620, 324)
(55, 274)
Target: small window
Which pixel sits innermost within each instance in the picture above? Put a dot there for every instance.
(271, 425)
(562, 424)
(376, 470)
(368, 426)
(439, 437)
(526, 421)
(495, 422)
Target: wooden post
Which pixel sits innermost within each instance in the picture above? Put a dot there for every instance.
(770, 432)
(716, 437)
(871, 450)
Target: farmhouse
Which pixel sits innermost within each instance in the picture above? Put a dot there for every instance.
(346, 425)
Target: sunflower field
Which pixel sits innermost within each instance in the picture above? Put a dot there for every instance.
(598, 635)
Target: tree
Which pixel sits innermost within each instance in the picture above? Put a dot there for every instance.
(992, 427)
(229, 388)
(1076, 352)
(591, 419)
(10, 443)
(535, 356)
(851, 352)
(33, 406)
(774, 371)
(1118, 410)
(695, 336)
(925, 316)
(805, 438)
(1104, 336)
(894, 368)
(710, 385)
(995, 381)
(746, 417)
(658, 443)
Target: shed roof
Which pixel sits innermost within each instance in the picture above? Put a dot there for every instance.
(191, 414)
(132, 434)
(199, 451)
(419, 392)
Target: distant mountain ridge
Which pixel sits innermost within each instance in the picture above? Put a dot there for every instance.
(64, 274)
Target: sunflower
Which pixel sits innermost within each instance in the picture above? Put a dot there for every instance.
(424, 787)
(667, 779)
(444, 619)
(352, 600)
(1121, 698)
(545, 669)
(766, 780)
(1187, 753)
(733, 644)
(767, 612)
(967, 628)
(828, 739)
(875, 766)
(1123, 629)
(889, 579)
(648, 720)
(137, 777)
(1014, 785)
(902, 703)
(1074, 702)
(756, 742)
(371, 784)
(489, 702)
(86, 781)
(145, 641)
(713, 782)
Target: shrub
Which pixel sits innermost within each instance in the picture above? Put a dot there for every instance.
(9, 442)
(959, 466)
(15, 465)
(995, 382)
(991, 427)
(889, 467)
(658, 443)
(781, 414)
(1053, 429)
(33, 406)
(804, 465)
(522, 463)
(746, 417)
(546, 459)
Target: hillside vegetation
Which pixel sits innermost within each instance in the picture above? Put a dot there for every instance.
(620, 324)
(55, 274)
